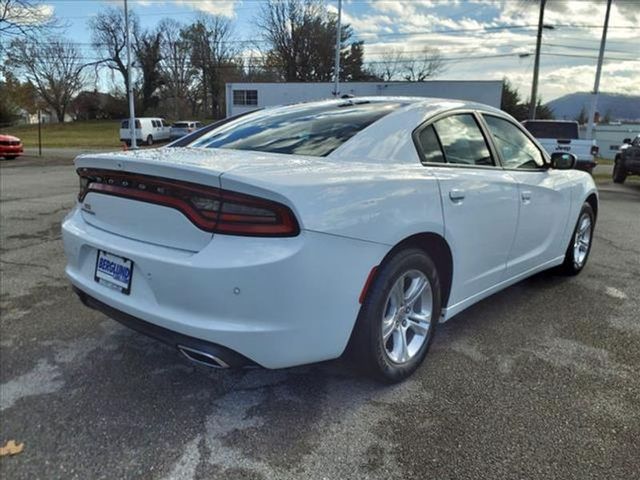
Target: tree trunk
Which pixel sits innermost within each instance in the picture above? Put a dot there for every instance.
(60, 114)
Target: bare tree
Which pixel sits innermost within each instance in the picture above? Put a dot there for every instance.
(109, 39)
(149, 56)
(427, 64)
(390, 64)
(396, 64)
(287, 28)
(26, 18)
(301, 38)
(54, 67)
(212, 51)
(175, 65)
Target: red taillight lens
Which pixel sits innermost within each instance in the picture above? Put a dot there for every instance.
(594, 150)
(209, 208)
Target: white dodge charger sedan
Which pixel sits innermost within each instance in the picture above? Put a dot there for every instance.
(284, 236)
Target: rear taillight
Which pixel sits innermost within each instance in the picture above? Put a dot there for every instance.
(594, 150)
(209, 208)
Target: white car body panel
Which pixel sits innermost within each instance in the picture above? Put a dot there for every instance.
(481, 244)
(297, 298)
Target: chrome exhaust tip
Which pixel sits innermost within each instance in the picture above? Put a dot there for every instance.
(202, 358)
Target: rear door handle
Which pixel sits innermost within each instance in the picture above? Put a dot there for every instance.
(526, 196)
(456, 195)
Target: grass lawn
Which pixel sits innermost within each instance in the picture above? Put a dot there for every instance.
(93, 133)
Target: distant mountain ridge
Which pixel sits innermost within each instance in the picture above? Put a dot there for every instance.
(617, 106)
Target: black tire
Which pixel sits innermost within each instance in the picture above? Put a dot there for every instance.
(571, 266)
(619, 173)
(11, 157)
(366, 342)
(149, 140)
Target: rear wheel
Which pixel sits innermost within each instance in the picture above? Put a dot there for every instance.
(580, 245)
(10, 157)
(149, 140)
(619, 173)
(397, 319)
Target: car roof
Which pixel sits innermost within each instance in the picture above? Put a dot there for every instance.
(428, 106)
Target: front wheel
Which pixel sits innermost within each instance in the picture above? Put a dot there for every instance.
(580, 245)
(397, 319)
(619, 173)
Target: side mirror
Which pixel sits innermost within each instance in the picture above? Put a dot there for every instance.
(626, 140)
(563, 161)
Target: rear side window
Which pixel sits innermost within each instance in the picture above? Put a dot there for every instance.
(180, 125)
(124, 124)
(315, 130)
(516, 150)
(429, 146)
(463, 141)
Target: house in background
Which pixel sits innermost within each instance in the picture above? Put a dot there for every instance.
(46, 116)
(244, 97)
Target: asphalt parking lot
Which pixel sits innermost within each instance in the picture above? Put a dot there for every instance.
(539, 381)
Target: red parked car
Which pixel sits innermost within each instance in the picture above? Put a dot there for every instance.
(10, 147)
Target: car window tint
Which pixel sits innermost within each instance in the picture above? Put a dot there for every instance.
(314, 130)
(516, 150)
(462, 140)
(125, 124)
(430, 146)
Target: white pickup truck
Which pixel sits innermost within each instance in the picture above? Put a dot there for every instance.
(563, 136)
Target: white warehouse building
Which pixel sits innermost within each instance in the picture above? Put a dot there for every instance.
(244, 97)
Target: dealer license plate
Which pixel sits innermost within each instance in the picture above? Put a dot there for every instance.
(114, 271)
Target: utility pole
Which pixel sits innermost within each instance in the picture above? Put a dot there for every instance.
(596, 85)
(336, 67)
(132, 108)
(536, 64)
(39, 133)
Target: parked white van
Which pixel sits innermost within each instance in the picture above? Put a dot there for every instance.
(148, 130)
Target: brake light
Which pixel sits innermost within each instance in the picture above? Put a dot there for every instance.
(208, 208)
(594, 150)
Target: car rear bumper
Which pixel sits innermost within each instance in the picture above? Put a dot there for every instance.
(226, 357)
(11, 150)
(278, 302)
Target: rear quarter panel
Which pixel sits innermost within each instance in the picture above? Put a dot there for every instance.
(382, 203)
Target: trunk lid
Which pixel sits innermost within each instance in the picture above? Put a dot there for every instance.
(164, 225)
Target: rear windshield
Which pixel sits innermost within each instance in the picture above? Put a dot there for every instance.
(563, 130)
(314, 130)
(181, 125)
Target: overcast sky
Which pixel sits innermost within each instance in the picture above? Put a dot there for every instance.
(480, 39)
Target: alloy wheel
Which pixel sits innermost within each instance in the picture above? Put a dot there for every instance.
(406, 322)
(582, 240)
